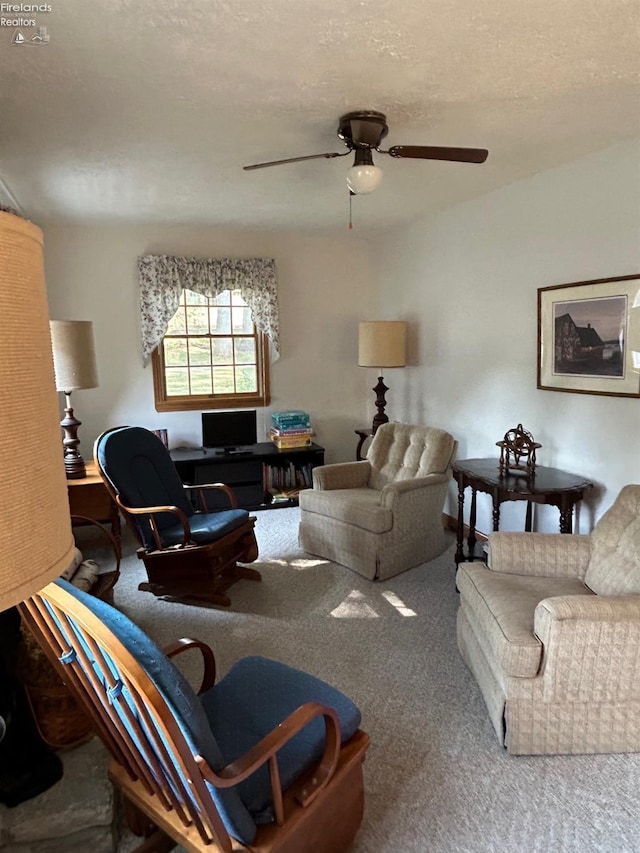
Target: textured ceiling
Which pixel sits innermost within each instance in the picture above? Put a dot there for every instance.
(146, 110)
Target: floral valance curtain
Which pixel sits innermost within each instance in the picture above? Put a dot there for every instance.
(163, 278)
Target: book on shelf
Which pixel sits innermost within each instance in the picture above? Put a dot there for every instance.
(280, 478)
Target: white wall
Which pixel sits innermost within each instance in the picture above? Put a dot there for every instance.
(467, 281)
(91, 275)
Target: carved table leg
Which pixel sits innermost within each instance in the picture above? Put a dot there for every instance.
(566, 517)
(471, 541)
(496, 512)
(460, 530)
(529, 517)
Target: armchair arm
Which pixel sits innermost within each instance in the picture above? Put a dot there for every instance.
(560, 555)
(590, 647)
(208, 658)
(342, 475)
(151, 511)
(266, 750)
(200, 489)
(392, 491)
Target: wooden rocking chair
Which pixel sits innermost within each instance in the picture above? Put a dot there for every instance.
(268, 760)
(189, 555)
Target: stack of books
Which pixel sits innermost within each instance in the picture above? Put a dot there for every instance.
(290, 429)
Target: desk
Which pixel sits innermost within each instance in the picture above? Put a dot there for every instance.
(88, 496)
(548, 486)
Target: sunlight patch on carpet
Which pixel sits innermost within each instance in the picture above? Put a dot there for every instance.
(398, 603)
(299, 563)
(353, 607)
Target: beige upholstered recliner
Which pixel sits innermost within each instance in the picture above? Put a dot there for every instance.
(551, 631)
(383, 515)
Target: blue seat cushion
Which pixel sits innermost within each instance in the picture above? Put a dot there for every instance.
(181, 699)
(255, 696)
(205, 527)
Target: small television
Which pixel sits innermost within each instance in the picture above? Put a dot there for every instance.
(229, 431)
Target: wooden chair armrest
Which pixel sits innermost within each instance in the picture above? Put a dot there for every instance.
(220, 486)
(208, 658)
(151, 511)
(106, 580)
(117, 550)
(267, 749)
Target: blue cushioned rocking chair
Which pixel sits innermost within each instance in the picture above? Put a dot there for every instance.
(268, 760)
(189, 555)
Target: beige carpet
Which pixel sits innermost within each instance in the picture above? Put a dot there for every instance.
(436, 779)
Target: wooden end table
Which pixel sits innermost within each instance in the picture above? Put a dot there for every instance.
(88, 496)
(364, 435)
(547, 486)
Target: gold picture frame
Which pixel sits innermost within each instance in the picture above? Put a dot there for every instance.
(584, 344)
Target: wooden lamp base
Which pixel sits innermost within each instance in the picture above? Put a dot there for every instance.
(380, 417)
(73, 463)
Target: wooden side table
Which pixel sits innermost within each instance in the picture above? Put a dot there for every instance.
(89, 497)
(364, 435)
(547, 486)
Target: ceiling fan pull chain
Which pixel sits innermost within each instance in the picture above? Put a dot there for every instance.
(350, 221)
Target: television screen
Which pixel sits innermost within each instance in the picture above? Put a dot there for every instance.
(229, 429)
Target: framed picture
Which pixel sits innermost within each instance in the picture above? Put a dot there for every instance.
(584, 336)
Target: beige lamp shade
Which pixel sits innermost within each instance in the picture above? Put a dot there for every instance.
(382, 343)
(36, 543)
(74, 358)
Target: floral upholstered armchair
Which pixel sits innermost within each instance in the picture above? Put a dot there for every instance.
(383, 515)
(551, 631)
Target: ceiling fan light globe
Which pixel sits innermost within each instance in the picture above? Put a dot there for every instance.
(364, 178)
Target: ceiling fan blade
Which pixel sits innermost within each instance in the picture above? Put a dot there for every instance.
(431, 152)
(295, 160)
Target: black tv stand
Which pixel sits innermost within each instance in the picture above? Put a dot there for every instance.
(261, 476)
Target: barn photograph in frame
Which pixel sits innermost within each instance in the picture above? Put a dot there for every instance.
(583, 337)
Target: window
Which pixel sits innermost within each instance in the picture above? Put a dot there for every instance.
(211, 357)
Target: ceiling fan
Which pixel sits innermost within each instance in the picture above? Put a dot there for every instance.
(362, 132)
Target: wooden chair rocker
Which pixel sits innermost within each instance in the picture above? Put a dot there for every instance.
(268, 760)
(189, 555)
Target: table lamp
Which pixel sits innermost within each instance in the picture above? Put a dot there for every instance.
(36, 543)
(74, 362)
(381, 343)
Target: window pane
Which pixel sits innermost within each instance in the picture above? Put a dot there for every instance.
(192, 298)
(178, 323)
(201, 380)
(245, 350)
(241, 320)
(223, 380)
(199, 351)
(197, 321)
(222, 350)
(177, 381)
(246, 379)
(175, 351)
(220, 321)
(223, 298)
(211, 349)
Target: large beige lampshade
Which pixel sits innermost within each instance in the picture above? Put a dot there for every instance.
(36, 543)
(382, 343)
(74, 358)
